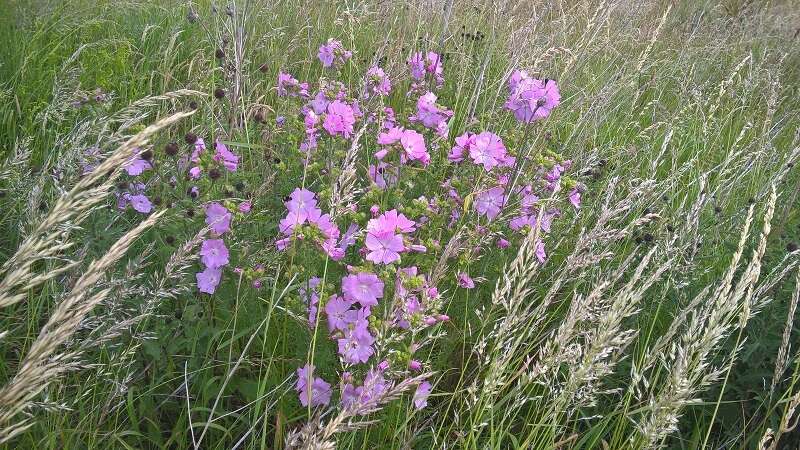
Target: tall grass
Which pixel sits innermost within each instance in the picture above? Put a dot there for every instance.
(664, 317)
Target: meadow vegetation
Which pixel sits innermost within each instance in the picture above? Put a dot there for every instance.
(399, 224)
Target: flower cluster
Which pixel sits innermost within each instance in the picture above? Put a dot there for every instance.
(432, 115)
(133, 193)
(333, 54)
(302, 209)
(425, 66)
(377, 83)
(213, 253)
(531, 99)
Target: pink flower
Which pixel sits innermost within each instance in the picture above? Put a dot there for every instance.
(502, 243)
(214, 254)
(339, 120)
(194, 172)
(384, 247)
(414, 145)
(225, 156)
(289, 86)
(137, 166)
(429, 113)
(335, 310)
(421, 395)
(218, 217)
(490, 202)
(140, 203)
(208, 279)
(365, 288)
(310, 390)
(540, 254)
(465, 281)
(245, 207)
(377, 82)
(391, 221)
(333, 53)
(488, 150)
(414, 365)
(531, 99)
(421, 64)
(575, 198)
(356, 345)
(463, 144)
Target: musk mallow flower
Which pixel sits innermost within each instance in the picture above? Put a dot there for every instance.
(208, 279)
(488, 150)
(225, 156)
(421, 64)
(465, 281)
(339, 119)
(364, 287)
(429, 113)
(575, 198)
(421, 395)
(333, 53)
(140, 203)
(490, 202)
(412, 142)
(463, 144)
(391, 221)
(335, 310)
(214, 254)
(289, 86)
(137, 166)
(312, 391)
(356, 345)
(531, 99)
(378, 82)
(384, 247)
(218, 217)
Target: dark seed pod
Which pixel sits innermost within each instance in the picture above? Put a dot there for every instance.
(157, 201)
(190, 212)
(670, 228)
(122, 185)
(214, 173)
(259, 116)
(171, 149)
(264, 68)
(193, 105)
(276, 160)
(219, 53)
(219, 93)
(751, 201)
(791, 247)
(717, 209)
(239, 186)
(648, 237)
(147, 155)
(190, 138)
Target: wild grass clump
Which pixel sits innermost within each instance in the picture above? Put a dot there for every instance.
(399, 225)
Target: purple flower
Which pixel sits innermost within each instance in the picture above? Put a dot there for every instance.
(465, 281)
(391, 221)
(421, 395)
(289, 86)
(140, 203)
(225, 156)
(463, 144)
(218, 217)
(490, 202)
(245, 206)
(531, 99)
(487, 149)
(208, 279)
(502, 243)
(575, 198)
(540, 254)
(214, 254)
(137, 166)
(384, 247)
(421, 64)
(429, 113)
(194, 172)
(414, 146)
(377, 82)
(365, 288)
(339, 120)
(314, 391)
(335, 310)
(356, 345)
(333, 53)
